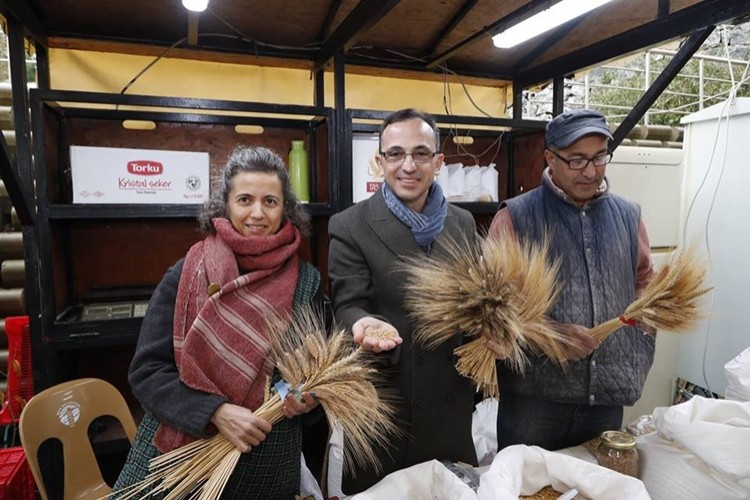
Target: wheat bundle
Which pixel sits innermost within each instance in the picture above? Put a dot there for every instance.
(342, 378)
(495, 289)
(669, 302)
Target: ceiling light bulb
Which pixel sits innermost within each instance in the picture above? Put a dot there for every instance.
(195, 5)
(559, 13)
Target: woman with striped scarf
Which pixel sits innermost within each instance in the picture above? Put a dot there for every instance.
(201, 365)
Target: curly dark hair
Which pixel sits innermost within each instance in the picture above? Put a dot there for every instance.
(252, 159)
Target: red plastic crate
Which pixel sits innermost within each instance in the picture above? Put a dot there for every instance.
(19, 370)
(16, 480)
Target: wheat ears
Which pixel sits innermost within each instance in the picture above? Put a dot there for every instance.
(669, 302)
(342, 378)
(499, 290)
(494, 289)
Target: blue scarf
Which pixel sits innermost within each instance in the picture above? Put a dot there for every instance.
(425, 226)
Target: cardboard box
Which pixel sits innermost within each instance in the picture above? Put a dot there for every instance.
(366, 174)
(122, 175)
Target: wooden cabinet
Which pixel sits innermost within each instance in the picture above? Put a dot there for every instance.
(117, 253)
(107, 253)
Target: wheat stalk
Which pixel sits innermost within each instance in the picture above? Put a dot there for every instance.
(343, 379)
(669, 302)
(495, 289)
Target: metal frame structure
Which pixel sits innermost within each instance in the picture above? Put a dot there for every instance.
(50, 339)
(36, 215)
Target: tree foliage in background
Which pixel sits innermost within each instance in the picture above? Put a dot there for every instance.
(626, 86)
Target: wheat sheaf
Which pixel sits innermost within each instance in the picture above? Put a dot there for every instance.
(669, 302)
(492, 289)
(341, 376)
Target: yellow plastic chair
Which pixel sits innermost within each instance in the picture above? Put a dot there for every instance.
(65, 412)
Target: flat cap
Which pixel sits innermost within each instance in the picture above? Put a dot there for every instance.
(568, 127)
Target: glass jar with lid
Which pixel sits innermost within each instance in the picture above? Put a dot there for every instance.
(617, 452)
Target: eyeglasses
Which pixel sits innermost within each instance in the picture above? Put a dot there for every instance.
(398, 157)
(581, 163)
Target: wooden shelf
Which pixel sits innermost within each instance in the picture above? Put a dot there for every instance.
(109, 211)
(117, 211)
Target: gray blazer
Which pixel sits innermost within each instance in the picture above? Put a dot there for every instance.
(366, 243)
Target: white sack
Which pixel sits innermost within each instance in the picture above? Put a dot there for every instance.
(737, 372)
(716, 431)
(670, 472)
(524, 470)
(425, 481)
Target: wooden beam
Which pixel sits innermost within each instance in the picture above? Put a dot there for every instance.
(178, 53)
(457, 18)
(328, 21)
(663, 8)
(705, 13)
(525, 11)
(689, 47)
(364, 16)
(551, 40)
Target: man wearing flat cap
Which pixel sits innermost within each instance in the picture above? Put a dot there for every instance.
(601, 243)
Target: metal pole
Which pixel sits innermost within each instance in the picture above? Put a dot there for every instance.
(700, 83)
(587, 92)
(647, 81)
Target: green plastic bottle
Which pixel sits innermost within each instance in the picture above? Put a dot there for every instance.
(298, 171)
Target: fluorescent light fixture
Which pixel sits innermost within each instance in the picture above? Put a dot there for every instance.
(195, 5)
(558, 14)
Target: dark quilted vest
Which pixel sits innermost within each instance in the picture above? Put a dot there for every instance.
(598, 250)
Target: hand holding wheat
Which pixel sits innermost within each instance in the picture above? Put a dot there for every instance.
(375, 335)
(669, 302)
(342, 379)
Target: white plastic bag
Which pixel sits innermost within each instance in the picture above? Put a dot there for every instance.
(737, 372)
(484, 430)
(455, 181)
(426, 481)
(442, 178)
(335, 476)
(489, 181)
(472, 183)
(308, 485)
(524, 470)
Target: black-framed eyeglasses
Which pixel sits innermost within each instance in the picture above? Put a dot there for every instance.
(581, 163)
(398, 157)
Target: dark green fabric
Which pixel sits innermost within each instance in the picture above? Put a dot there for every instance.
(271, 470)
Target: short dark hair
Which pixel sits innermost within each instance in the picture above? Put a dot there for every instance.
(252, 159)
(409, 114)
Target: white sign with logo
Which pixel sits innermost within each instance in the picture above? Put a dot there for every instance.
(122, 175)
(367, 176)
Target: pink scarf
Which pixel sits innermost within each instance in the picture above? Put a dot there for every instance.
(220, 344)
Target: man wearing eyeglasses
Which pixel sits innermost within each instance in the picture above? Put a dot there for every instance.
(601, 243)
(367, 242)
